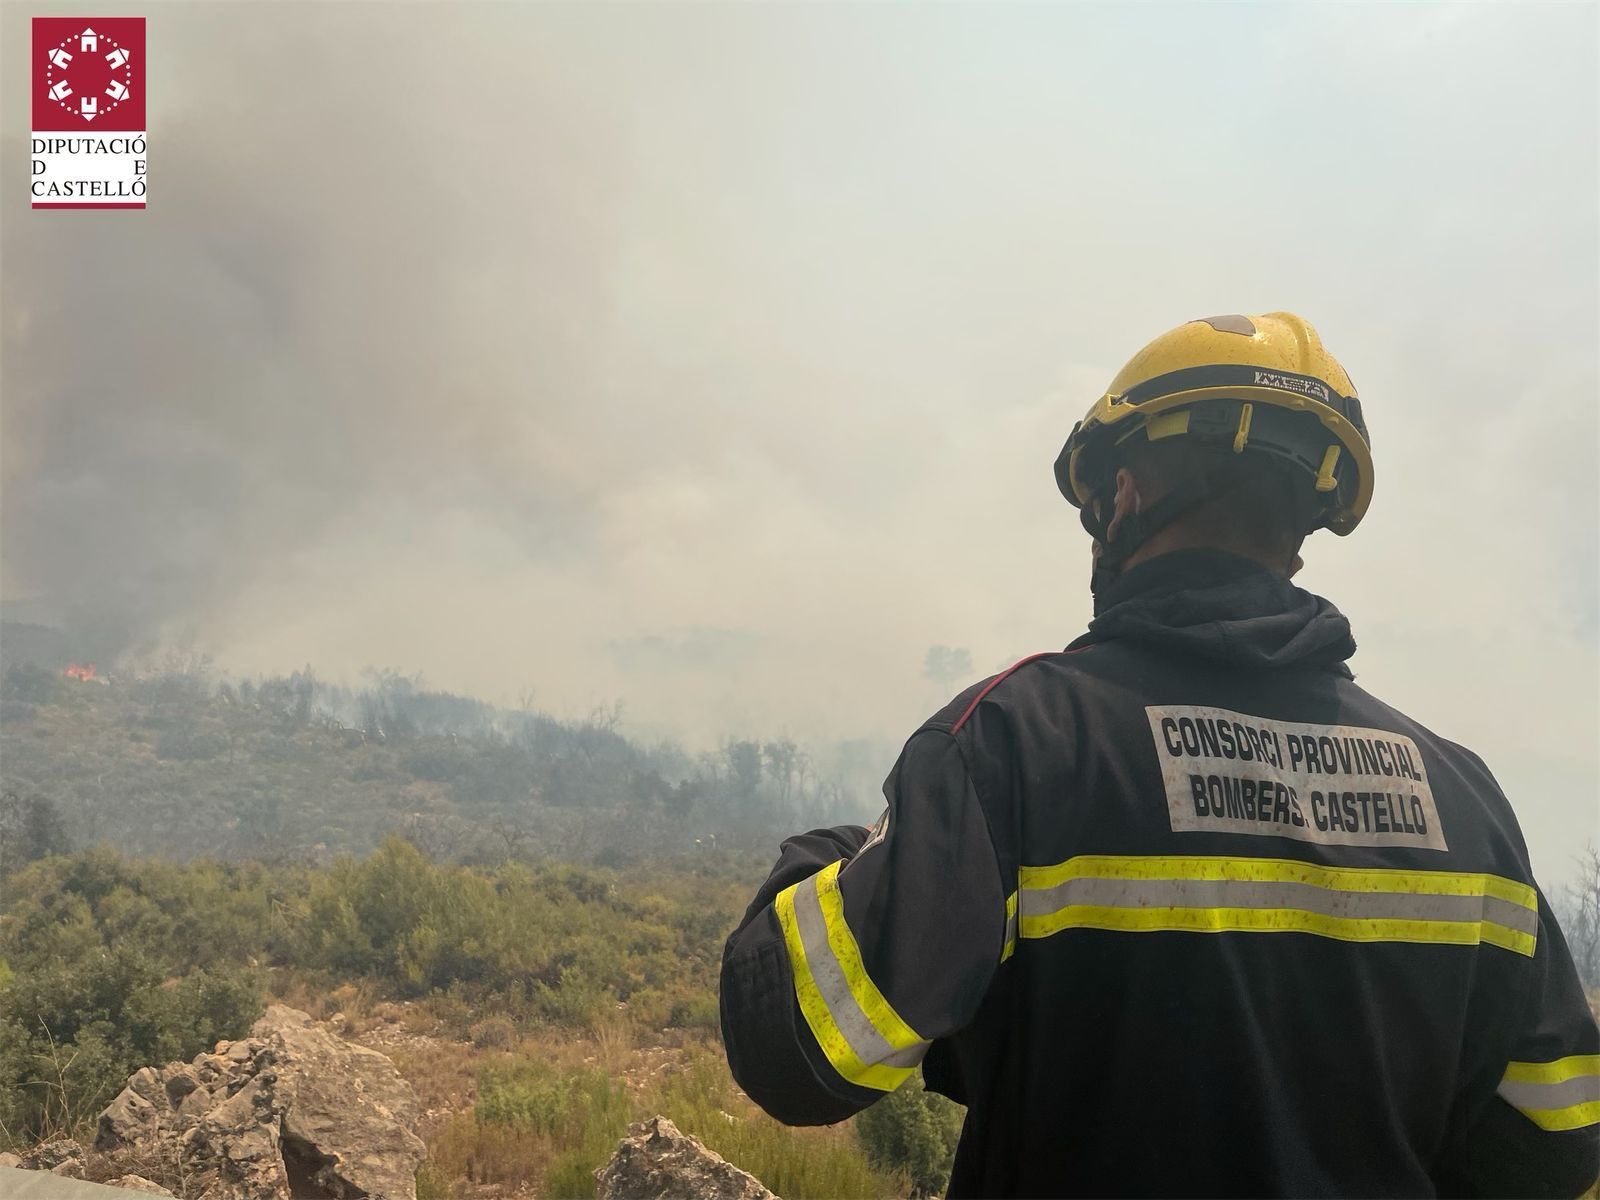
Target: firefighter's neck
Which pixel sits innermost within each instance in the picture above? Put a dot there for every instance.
(1185, 533)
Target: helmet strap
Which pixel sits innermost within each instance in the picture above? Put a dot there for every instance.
(1136, 528)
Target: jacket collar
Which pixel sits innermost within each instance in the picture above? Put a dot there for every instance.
(1221, 606)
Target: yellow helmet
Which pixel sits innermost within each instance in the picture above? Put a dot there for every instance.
(1261, 384)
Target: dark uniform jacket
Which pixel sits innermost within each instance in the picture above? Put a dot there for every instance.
(1182, 910)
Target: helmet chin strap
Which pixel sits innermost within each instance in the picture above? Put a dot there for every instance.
(1136, 528)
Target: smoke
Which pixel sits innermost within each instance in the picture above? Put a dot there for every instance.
(321, 316)
(712, 359)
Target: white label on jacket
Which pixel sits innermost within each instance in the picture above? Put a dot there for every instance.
(1228, 772)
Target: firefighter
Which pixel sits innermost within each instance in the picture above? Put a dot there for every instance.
(1182, 909)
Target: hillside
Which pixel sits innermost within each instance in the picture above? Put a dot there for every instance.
(525, 912)
(177, 764)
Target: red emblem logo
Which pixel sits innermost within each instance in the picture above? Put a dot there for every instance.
(88, 74)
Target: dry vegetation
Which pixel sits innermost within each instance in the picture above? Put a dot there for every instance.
(536, 1010)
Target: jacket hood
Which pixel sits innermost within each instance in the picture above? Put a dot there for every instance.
(1220, 606)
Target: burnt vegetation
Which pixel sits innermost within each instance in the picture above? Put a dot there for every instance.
(180, 764)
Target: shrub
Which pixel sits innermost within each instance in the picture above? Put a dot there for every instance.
(190, 745)
(696, 1011)
(112, 966)
(494, 1032)
(531, 1121)
(915, 1131)
(17, 712)
(30, 683)
(434, 764)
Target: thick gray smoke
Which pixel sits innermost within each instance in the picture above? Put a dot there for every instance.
(318, 317)
(712, 358)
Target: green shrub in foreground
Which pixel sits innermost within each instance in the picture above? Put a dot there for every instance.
(915, 1131)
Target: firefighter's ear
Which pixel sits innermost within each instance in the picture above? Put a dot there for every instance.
(1126, 502)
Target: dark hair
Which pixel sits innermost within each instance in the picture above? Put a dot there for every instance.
(1262, 508)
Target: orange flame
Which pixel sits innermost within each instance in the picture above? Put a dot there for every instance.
(84, 672)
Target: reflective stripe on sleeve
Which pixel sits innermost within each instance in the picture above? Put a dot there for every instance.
(1257, 895)
(1564, 1094)
(859, 1031)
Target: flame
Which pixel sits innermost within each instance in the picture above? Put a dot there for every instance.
(83, 671)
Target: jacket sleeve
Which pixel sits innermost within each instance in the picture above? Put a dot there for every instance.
(1539, 1135)
(864, 946)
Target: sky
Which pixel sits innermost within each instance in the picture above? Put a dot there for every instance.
(712, 359)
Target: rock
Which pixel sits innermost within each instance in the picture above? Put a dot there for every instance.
(351, 1114)
(146, 1082)
(125, 1120)
(658, 1162)
(179, 1082)
(292, 1109)
(235, 1147)
(138, 1183)
(47, 1156)
(7, 1159)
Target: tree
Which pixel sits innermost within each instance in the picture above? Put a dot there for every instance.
(30, 829)
(947, 665)
(744, 767)
(1578, 908)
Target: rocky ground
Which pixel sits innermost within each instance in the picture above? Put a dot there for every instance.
(294, 1110)
(301, 1111)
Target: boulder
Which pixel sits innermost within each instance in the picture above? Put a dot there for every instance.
(8, 1159)
(656, 1161)
(235, 1146)
(351, 1115)
(291, 1110)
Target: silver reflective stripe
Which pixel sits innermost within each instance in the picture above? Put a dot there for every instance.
(1229, 893)
(1009, 942)
(1580, 1089)
(869, 1045)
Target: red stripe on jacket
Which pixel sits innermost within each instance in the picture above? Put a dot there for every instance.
(995, 682)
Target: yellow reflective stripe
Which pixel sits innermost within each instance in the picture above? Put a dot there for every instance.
(1557, 1095)
(1508, 939)
(1259, 920)
(1556, 1120)
(843, 943)
(815, 1009)
(1010, 947)
(1281, 870)
(1559, 1071)
(1512, 893)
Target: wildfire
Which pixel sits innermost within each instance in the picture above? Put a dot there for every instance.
(83, 671)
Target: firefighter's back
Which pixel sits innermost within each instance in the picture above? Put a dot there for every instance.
(1272, 936)
(1183, 910)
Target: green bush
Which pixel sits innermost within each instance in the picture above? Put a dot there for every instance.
(696, 1011)
(915, 1131)
(157, 961)
(577, 1118)
(112, 966)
